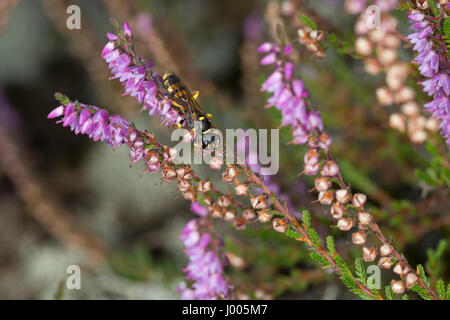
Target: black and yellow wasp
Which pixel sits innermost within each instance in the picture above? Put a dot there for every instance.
(194, 117)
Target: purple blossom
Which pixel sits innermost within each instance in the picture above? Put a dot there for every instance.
(137, 77)
(433, 65)
(205, 265)
(288, 93)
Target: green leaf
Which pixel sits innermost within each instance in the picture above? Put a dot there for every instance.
(405, 297)
(330, 245)
(292, 233)
(306, 217)
(360, 270)
(440, 287)
(388, 292)
(317, 257)
(314, 237)
(421, 292)
(446, 30)
(448, 291)
(308, 21)
(342, 264)
(434, 7)
(422, 274)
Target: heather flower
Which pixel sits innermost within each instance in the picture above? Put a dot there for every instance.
(205, 265)
(288, 93)
(137, 76)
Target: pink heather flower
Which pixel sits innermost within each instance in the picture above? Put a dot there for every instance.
(205, 266)
(288, 94)
(197, 208)
(137, 77)
(433, 65)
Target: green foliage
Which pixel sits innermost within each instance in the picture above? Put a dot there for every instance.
(422, 274)
(388, 292)
(448, 291)
(317, 257)
(314, 237)
(306, 217)
(434, 7)
(330, 245)
(440, 287)
(436, 173)
(292, 233)
(446, 31)
(307, 21)
(434, 262)
(360, 270)
(421, 292)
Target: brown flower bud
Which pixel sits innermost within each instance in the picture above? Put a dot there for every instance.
(410, 108)
(359, 200)
(229, 215)
(258, 202)
(311, 157)
(345, 224)
(386, 55)
(411, 279)
(311, 169)
(397, 121)
(239, 223)
(264, 216)
(189, 194)
(151, 157)
(168, 174)
(330, 169)
(235, 261)
(325, 198)
(241, 189)
(343, 196)
(184, 173)
(372, 66)
(231, 171)
(418, 136)
(359, 238)
(369, 254)
(173, 154)
(364, 218)
(386, 249)
(401, 268)
(223, 201)
(404, 94)
(432, 124)
(216, 211)
(385, 262)
(207, 199)
(337, 210)
(324, 141)
(249, 215)
(204, 186)
(363, 46)
(279, 225)
(216, 163)
(384, 96)
(322, 184)
(398, 286)
(183, 185)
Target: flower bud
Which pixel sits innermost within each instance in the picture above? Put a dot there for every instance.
(343, 196)
(322, 184)
(369, 254)
(312, 142)
(411, 279)
(249, 215)
(241, 189)
(231, 171)
(385, 262)
(236, 261)
(372, 66)
(386, 55)
(325, 198)
(279, 225)
(183, 185)
(258, 202)
(151, 157)
(207, 199)
(377, 35)
(223, 201)
(337, 210)
(173, 153)
(391, 41)
(184, 173)
(359, 238)
(359, 200)
(229, 215)
(311, 157)
(239, 223)
(345, 224)
(397, 122)
(386, 249)
(410, 108)
(418, 136)
(404, 94)
(264, 216)
(204, 186)
(324, 141)
(398, 286)
(432, 124)
(384, 96)
(216, 211)
(168, 174)
(188, 136)
(330, 169)
(364, 218)
(216, 163)
(311, 169)
(401, 268)
(363, 46)
(189, 194)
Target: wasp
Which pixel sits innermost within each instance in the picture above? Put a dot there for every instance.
(194, 117)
